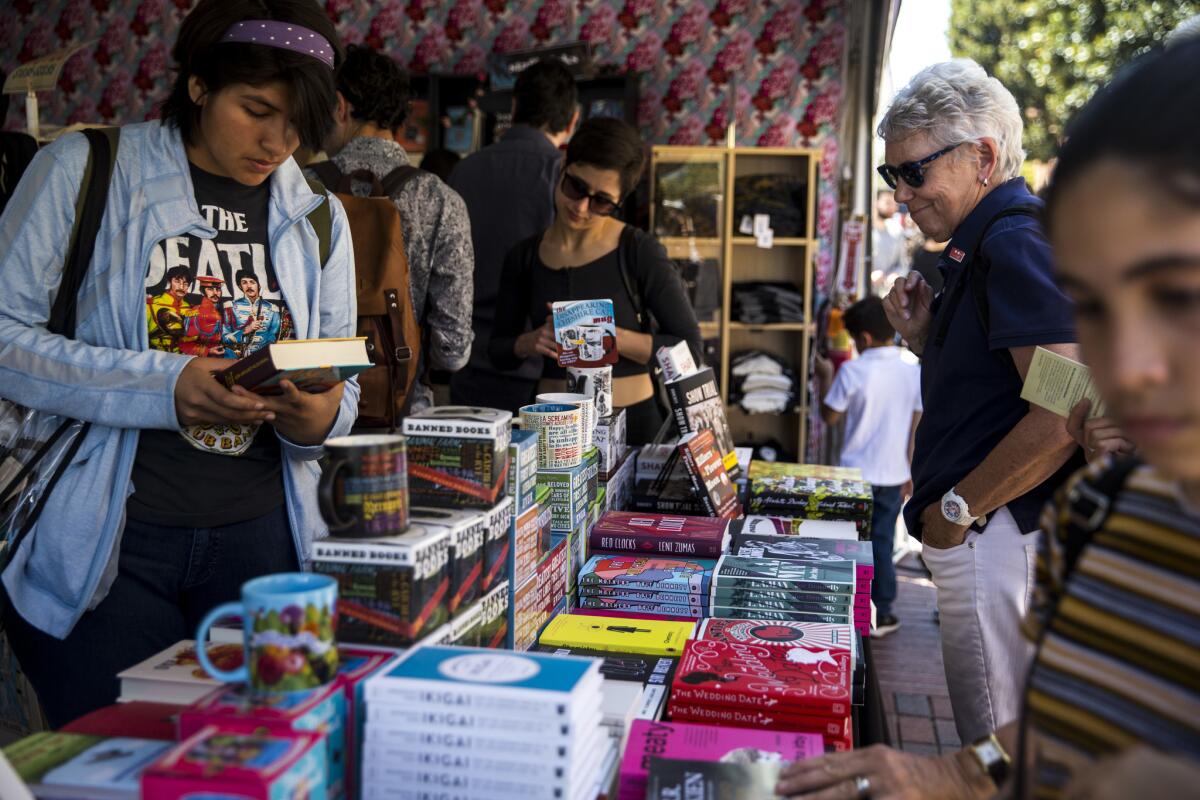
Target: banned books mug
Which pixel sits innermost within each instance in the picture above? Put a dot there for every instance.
(559, 429)
(290, 628)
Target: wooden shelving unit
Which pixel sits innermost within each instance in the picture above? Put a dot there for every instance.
(714, 172)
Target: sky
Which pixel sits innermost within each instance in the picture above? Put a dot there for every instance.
(921, 39)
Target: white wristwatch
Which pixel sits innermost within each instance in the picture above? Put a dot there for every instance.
(955, 510)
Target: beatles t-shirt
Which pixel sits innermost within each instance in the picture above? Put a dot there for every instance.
(216, 298)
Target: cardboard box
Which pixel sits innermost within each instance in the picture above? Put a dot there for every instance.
(392, 591)
(525, 615)
(609, 439)
(494, 631)
(458, 456)
(522, 470)
(591, 463)
(465, 627)
(497, 544)
(467, 528)
(526, 545)
(568, 496)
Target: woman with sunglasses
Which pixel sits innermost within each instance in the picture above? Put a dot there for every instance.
(985, 461)
(1112, 702)
(579, 258)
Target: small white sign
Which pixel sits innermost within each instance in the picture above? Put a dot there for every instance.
(747, 226)
(762, 223)
(765, 239)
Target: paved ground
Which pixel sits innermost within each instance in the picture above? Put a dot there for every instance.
(909, 666)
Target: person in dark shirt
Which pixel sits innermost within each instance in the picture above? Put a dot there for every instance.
(925, 263)
(985, 461)
(509, 191)
(578, 258)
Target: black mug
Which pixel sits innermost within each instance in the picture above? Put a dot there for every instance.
(363, 491)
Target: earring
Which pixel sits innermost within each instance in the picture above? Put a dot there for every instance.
(984, 181)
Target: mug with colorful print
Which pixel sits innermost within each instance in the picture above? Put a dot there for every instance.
(290, 626)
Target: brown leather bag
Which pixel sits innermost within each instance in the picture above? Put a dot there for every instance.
(385, 309)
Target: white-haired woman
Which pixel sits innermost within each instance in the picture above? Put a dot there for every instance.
(1112, 705)
(985, 462)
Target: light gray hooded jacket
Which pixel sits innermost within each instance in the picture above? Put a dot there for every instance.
(107, 374)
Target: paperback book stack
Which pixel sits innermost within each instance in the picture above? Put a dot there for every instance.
(663, 586)
(485, 725)
(854, 553)
(696, 405)
(635, 685)
(799, 688)
(708, 490)
(811, 491)
(773, 589)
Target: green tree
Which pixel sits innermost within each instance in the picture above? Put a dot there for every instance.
(1053, 54)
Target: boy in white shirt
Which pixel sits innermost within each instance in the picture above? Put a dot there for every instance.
(879, 394)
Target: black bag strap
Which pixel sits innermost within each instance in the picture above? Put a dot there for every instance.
(90, 206)
(1089, 504)
(627, 254)
(395, 181)
(975, 278)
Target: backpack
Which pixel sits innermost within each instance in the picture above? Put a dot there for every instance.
(385, 310)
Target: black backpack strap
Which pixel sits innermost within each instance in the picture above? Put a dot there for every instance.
(328, 173)
(395, 181)
(1089, 504)
(627, 254)
(321, 218)
(89, 212)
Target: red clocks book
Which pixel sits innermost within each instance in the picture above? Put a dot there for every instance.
(659, 534)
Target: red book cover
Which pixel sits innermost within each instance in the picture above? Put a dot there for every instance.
(781, 633)
(837, 732)
(702, 460)
(799, 679)
(135, 720)
(658, 534)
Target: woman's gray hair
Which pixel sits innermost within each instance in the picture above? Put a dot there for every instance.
(956, 101)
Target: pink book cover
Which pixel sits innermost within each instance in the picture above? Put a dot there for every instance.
(836, 734)
(659, 534)
(798, 679)
(354, 667)
(276, 711)
(690, 742)
(254, 766)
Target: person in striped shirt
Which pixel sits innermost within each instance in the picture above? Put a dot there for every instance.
(1112, 701)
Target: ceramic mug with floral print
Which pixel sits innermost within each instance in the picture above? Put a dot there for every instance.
(290, 624)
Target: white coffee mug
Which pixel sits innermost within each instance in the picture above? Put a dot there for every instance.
(559, 429)
(593, 382)
(587, 405)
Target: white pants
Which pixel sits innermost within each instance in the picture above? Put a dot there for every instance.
(984, 586)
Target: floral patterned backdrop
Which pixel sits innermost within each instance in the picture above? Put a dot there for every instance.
(781, 58)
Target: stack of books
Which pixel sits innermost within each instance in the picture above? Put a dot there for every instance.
(802, 549)
(811, 491)
(486, 725)
(794, 526)
(175, 675)
(798, 688)
(646, 584)
(82, 767)
(635, 685)
(773, 589)
(650, 740)
(691, 479)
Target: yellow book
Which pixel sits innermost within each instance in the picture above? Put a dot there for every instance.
(618, 634)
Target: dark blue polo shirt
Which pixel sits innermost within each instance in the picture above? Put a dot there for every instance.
(971, 391)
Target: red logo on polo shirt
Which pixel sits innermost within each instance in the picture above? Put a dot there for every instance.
(957, 254)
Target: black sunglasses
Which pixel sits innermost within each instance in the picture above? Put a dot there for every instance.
(577, 190)
(911, 172)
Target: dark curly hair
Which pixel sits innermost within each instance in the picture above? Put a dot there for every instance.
(607, 143)
(375, 86)
(199, 51)
(545, 96)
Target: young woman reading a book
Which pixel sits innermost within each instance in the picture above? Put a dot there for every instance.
(580, 258)
(1112, 700)
(209, 244)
